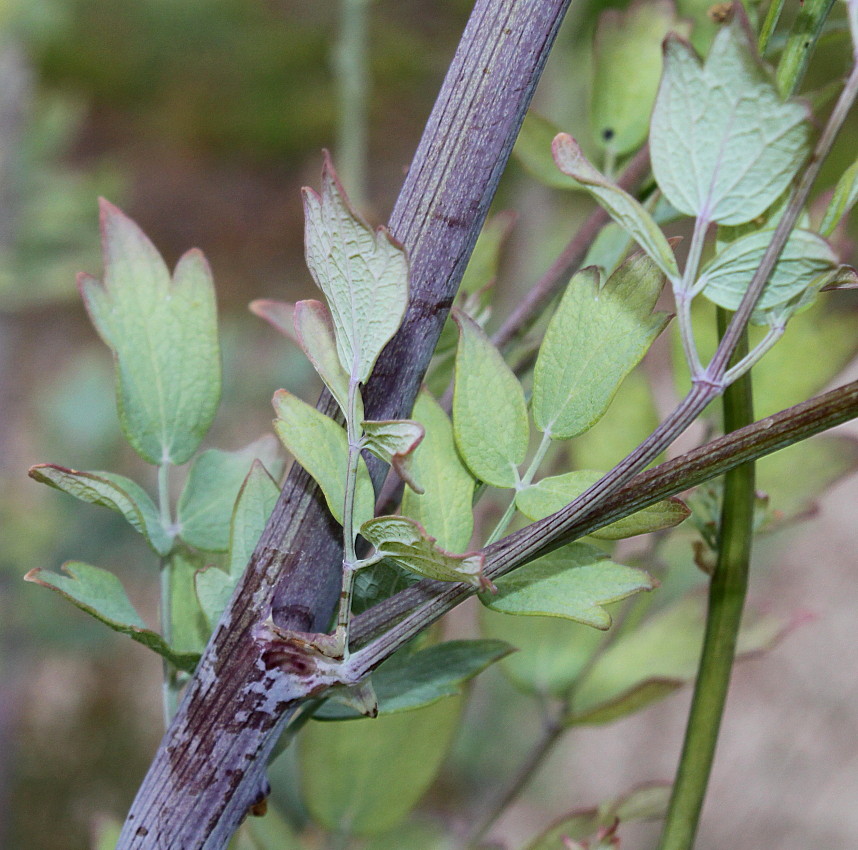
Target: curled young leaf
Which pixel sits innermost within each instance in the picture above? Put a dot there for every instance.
(597, 335)
(363, 274)
(619, 204)
(163, 334)
(533, 151)
(279, 314)
(723, 143)
(394, 442)
(321, 446)
(405, 541)
(112, 491)
(489, 410)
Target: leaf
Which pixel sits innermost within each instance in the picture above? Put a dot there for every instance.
(489, 410)
(555, 492)
(208, 498)
(113, 491)
(844, 198)
(726, 277)
(279, 314)
(416, 679)
(314, 328)
(363, 274)
(648, 663)
(646, 802)
(394, 442)
(271, 832)
(189, 630)
(321, 446)
(482, 268)
(620, 205)
(533, 151)
(254, 504)
(391, 761)
(100, 594)
(573, 582)
(595, 338)
(621, 102)
(445, 509)
(163, 335)
(723, 144)
(405, 541)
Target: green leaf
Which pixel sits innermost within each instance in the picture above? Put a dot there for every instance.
(574, 582)
(647, 802)
(163, 335)
(555, 492)
(113, 491)
(445, 509)
(100, 594)
(726, 277)
(552, 652)
(620, 205)
(489, 410)
(363, 777)
(363, 274)
(844, 198)
(279, 314)
(315, 331)
(405, 541)
(410, 680)
(621, 102)
(208, 498)
(394, 442)
(321, 446)
(533, 151)
(482, 268)
(723, 144)
(270, 832)
(189, 630)
(256, 500)
(595, 338)
(648, 663)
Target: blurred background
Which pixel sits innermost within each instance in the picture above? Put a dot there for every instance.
(202, 119)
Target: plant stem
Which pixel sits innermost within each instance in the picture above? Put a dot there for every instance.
(771, 21)
(169, 686)
(350, 558)
(802, 39)
(350, 63)
(727, 592)
(683, 292)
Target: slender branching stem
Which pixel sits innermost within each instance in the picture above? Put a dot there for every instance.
(800, 44)
(753, 357)
(727, 592)
(684, 292)
(169, 685)
(769, 23)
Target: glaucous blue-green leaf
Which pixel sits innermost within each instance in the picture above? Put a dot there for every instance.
(489, 410)
(320, 445)
(379, 581)
(574, 582)
(394, 442)
(723, 144)
(533, 151)
(189, 630)
(844, 198)
(552, 652)
(405, 541)
(621, 102)
(805, 257)
(363, 777)
(555, 492)
(254, 504)
(208, 498)
(163, 334)
(363, 274)
(412, 680)
(279, 314)
(646, 802)
(620, 205)
(445, 509)
(113, 491)
(649, 662)
(314, 328)
(100, 594)
(597, 335)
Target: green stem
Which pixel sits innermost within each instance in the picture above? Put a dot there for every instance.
(800, 44)
(684, 292)
(771, 21)
(170, 686)
(350, 558)
(350, 62)
(726, 599)
(524, 481)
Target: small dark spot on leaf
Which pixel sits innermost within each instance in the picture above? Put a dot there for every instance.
(607, 134)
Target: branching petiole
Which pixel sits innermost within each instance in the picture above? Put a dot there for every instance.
(684, 291)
